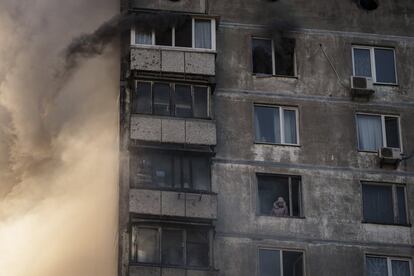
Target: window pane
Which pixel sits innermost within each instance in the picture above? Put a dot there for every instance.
(400, 268)
(290, 126)
(143, 37)
(202, 32)
(377, 203)
(201, 173)
(200, 102)
(269, 262)
(376, 266)
(172, 247)
(142, 98)
(292, 263)
(183, 101)
(285, 57)
(296, 196)
(273, 195)
(369, 132)
(163, 37)
(262, 56)
(362, 62)
(392, 132)
(384, 65)
(141, 168)
(183, 33)
(162, 170)
(197, 248)
(177, 172)
(267, 124)
(186, 173)
(147, 244)
(161, 99)
(402, 212)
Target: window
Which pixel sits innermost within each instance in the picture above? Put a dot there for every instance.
(170, 170)
(375, 62)
(198, 33)
(274, 262)
(384, 203)
(276, 125)
(377, 131)
(171, 99)
(279, 195)
(272, 58)
(387, 266)
(170, 245)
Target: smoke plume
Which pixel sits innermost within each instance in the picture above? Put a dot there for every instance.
(58, 138)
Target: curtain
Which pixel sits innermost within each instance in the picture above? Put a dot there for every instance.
(400, 268)
(143, 38)
(267, 124)
(290, 126)
(362, 62)
(378, 203)
(377, 266)
(369, 132)
(202, 30)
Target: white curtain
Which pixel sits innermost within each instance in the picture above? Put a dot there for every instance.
(143, 37)
(267, 124)
(377, 266)
(369, 132)
(202, 30)
(290, 126)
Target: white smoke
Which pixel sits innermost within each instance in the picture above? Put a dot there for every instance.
(58, 142)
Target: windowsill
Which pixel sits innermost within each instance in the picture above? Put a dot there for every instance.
(173, 48)
(289, 217)
(172, 266)
(261, 76)
(173, 117)
(275, 144)
(386, 84)
(372, 152)
(166, 189)
(387, 224)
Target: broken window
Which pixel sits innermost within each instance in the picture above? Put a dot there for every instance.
(170, 99)
(274, 262)
(279, 195)
(387, 266)
(384, 203)
(377, 131)
(276, 125)
(272, 58)
(375, 62)
(170, 245)
(189, 32)
(170, 170)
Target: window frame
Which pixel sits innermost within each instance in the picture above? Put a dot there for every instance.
(389, 262)
(271, 248)
(193, 48)
(274, 58)
(281, 124)
(170, 226)
(300, 195)
(172, 99)
(383, 130)
(394, 202)
(372, 63)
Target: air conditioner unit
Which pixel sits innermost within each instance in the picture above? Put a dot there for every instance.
(389, 156)
(361, 87)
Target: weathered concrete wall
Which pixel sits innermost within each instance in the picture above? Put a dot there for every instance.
(193, 6)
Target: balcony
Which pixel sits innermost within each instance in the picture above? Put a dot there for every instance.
(172, 203)
(165, 271)
(189, 6)
(173, 60)
(173, 130)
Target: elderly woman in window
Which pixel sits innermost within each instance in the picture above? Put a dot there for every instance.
(279, 208)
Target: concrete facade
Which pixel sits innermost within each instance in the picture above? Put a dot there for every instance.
(331, 231)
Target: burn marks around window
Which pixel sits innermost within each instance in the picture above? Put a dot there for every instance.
(368, 5)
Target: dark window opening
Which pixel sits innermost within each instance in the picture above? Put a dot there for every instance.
(168, 170)
(384, 203)
(183, 101)
(163, 37)
(392, 132)
(161, 93)
(262, 56)
(172, 247)
(183, 33)
(279, 196)
(142, 101)
(285, 57)
(280, 263)
(368, 4)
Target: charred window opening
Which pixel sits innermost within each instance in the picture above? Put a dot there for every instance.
(368, 4)
(273, 262)
(180, 171)
(279, 195)
(163, 37)
(183, 33)
(173, 245)
(384, 203)
(273, 57)
(171, 99)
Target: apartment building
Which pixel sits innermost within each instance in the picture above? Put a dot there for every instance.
(267, 138)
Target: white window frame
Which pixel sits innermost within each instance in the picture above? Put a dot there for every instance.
(281, 257)
(152, 45)
(282, 124)
(372, 63)
(274, 58)
(384, 134)
(389, 262)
